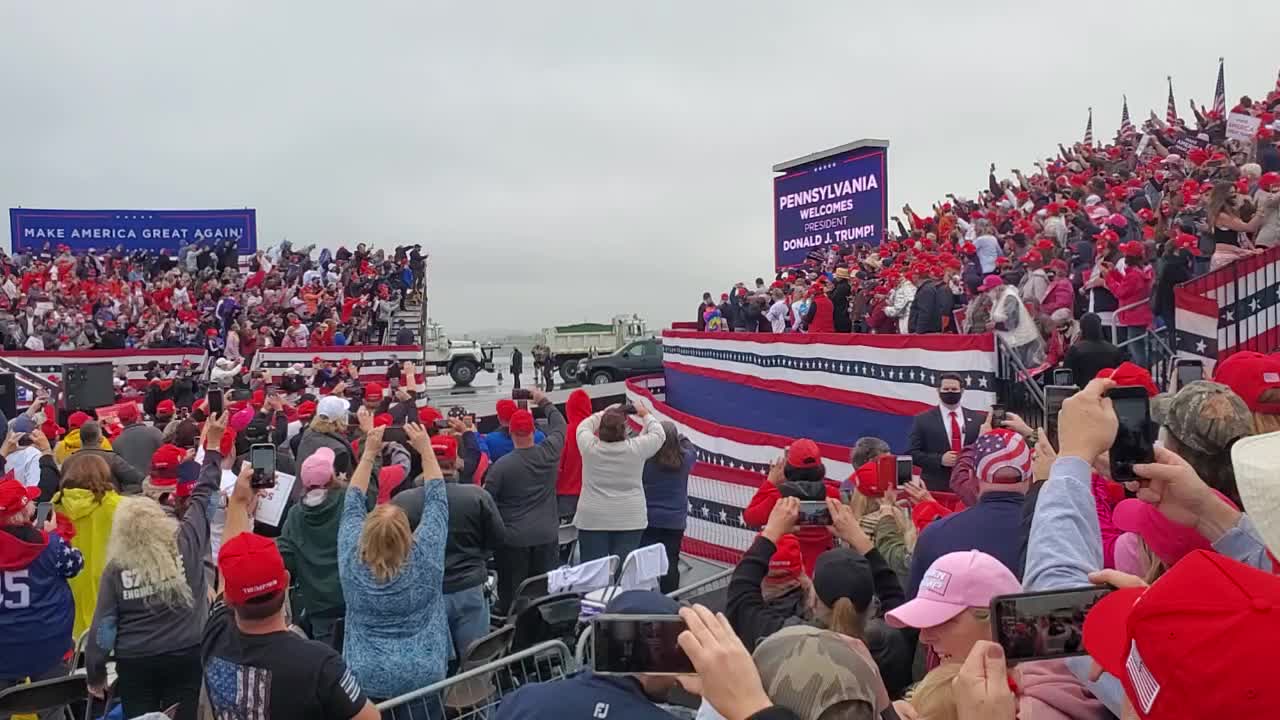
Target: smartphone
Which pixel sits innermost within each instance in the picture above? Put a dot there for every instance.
(1136, 435)
(814, 512)
(396, 434)
(1188, 371)
(997, 416)
(522, 394)
(215, 402)
(886, 473)
(262, 458)
(633, 644)
(1043, 625)
(1054, 395)
(903, 468)
(1063, 376)
(43, 511)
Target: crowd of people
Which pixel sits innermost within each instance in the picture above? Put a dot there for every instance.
(1102, 230)
(114, 299)
(147, 538)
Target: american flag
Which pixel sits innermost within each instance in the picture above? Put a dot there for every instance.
(1220, 94)
(238, 692)
(1171, 112)
(1126, 124)
(1000, 449)
(1088, 130)
(1145, 685)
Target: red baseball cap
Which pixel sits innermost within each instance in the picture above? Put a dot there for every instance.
(804, 453)
(867, 479)
(165, 461)
(14, 496)
(1249, 374)
(505, 408)
(251, 567)
(787, 561)
(307, 409)
(77, 419)
(165, 408)
(1127, 374)
(445, 447)
(521, 423)
(383, 419)
(428, 415)
(1198, 643)
(926, 512)
(372, 390)
(128, 413)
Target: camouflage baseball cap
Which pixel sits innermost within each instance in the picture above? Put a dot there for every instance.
(809, 671)
(1205, 416)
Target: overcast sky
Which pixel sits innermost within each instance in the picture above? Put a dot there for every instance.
(566, 161)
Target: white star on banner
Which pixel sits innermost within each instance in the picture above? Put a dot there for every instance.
(724, 516)
(982, 381)
(1231, 316)
(1201, 346)
(1253, 304)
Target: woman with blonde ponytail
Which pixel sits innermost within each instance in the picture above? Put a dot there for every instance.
(153, 601)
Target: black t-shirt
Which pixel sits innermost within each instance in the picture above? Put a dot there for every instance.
(279, 676)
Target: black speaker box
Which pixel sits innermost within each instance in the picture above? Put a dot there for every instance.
(8, 395)
(87, 386)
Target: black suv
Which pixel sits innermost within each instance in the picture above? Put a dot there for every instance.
(642, 357)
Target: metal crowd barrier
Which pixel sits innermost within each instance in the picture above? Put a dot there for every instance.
(476, 693)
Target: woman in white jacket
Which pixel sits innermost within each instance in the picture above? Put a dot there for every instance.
(612, 514)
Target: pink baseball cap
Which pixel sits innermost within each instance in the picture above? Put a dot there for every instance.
(954, 583)
(1168, 540)
(317, 468)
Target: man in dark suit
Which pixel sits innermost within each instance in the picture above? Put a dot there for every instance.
(938, 434)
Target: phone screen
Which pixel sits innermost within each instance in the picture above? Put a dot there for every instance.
(1189, 373)
(1063, 376)
(1043, 625)
(215, 402)
(997, 416)
(1054, 395)
(627, 644)
(43, 511)
(262, 457)
(1135, 437)
(814, 512)
(904, 466)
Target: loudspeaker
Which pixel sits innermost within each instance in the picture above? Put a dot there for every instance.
(87, 386)
(8, 395)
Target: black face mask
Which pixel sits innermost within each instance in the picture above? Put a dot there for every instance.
(951, 397)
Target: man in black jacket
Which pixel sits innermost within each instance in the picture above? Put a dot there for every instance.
(475, 531)
(933, 301)
(840, 295)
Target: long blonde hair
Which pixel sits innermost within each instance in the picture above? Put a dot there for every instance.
(933, 697)
(385, 542)
(322, 424)
(144, 543)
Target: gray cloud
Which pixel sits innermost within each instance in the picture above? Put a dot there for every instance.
(568, 161)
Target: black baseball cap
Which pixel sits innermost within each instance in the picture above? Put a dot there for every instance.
(843, 573)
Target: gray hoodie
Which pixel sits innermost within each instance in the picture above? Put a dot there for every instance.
(128, 621)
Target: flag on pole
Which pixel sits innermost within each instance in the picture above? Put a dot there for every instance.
(1171, 112)
(1126, 125)
(1088, 130)
(1220, 94)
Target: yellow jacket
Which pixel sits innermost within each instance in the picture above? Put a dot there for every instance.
(71, 443)
(92, 519)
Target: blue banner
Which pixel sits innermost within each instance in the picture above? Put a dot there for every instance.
(840, 198)
(155, 230)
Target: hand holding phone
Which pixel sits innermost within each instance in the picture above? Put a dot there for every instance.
(813, 512)
(44, 511)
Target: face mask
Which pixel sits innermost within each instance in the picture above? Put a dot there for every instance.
(951, 397)
(314, 497)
